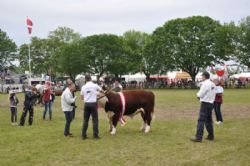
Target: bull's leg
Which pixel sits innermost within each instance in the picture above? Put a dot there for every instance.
(114, 124)
(144, 122)
(110, 115)
(148, 118)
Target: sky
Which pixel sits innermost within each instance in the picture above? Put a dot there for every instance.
(90, 17)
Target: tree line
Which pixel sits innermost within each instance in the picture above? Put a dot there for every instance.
(189, 44)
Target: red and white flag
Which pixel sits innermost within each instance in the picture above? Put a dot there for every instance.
(29, 25)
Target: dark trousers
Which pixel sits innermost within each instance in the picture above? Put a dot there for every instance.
(205, 118)
(73, 113)
(90, 109)
(217, 111)
(68, 117)
(13, 111)
(24, 113)
(47, 107)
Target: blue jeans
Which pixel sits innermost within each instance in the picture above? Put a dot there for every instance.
(13, 111)
(217, 111)
(47, 106)
(68, 117)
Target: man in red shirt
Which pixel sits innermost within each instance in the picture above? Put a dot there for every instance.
(218, 101)
(47, 101)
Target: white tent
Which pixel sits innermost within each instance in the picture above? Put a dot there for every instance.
(80, 76)
(139, 77)
(241, 75)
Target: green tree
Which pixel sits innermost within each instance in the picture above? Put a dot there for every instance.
(227, 41)
(7, 50)
(64, 35)
(107, 54)
(188, 43)
(72, 61)
(154, 61)
(136, 42)
(40, 59)
(57, 39)
(244, 50)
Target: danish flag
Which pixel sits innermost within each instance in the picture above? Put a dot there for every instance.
(29, 25)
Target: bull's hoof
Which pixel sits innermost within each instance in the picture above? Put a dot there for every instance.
(113, 131)
(147, 129)
(142, 129)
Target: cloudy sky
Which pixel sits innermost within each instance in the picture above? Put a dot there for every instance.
(109, 16)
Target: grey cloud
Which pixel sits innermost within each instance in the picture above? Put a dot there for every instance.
(109, 16)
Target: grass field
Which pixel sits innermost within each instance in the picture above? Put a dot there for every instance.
(168, 142)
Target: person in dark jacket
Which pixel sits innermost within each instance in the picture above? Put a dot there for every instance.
(29, 102)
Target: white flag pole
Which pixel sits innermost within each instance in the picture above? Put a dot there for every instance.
(29, 58)
(29, 26)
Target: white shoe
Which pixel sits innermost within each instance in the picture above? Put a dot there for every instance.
(218, 122)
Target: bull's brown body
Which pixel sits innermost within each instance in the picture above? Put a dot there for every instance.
(135, 100)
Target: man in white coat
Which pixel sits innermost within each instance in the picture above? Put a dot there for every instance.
(66, 101)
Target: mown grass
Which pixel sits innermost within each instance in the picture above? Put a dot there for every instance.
(167, 143)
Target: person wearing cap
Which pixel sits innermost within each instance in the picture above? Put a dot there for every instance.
(13, 107)
(206, 95)
(89, 94)
(66, 102)
(29, 102)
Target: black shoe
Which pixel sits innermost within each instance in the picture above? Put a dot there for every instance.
(195, 140)
(69, 135)
(97, 137)
(210, 138)
(84, 137)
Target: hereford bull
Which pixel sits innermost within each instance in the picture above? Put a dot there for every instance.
(129, 103)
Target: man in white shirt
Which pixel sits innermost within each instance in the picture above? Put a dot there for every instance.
(66, 101)
(206, 95)
(89, 94)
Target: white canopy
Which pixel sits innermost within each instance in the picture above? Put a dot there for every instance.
(139, 77)
(241, 75)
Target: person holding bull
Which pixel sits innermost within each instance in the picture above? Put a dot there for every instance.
(89, 94)
(206, 95)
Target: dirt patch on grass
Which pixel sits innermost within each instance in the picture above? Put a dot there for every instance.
(174, 112)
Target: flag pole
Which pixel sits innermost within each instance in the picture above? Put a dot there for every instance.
(29, 26)
(29, 60)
